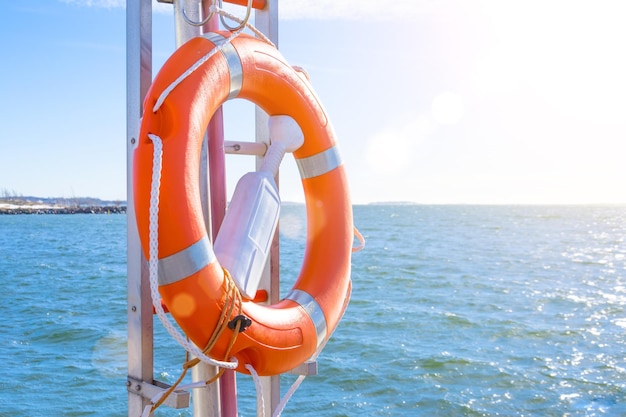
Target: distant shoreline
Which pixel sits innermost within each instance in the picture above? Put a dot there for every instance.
(33, 205)
(63, 210)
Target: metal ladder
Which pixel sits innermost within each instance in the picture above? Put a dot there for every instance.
(218, 399)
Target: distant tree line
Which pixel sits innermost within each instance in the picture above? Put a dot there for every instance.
(6, 193)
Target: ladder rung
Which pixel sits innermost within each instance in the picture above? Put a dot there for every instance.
(245, 148)
(256, 4)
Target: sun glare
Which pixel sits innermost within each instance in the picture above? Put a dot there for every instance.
(570, 53)
(389, 151)
(447, 108)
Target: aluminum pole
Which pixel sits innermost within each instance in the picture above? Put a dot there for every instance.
(140, 321)
(266, 20)
(206, 401)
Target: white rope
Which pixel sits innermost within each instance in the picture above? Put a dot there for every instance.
(260, 400)
(208, 56)
(154, 262)
(292, 389)
(257, 32)
(359, 236)
(283, 403)
(191, 70)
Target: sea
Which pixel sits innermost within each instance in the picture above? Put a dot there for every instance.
(456, 310)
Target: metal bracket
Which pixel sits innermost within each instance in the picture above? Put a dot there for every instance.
(307, 368)
(177, 399)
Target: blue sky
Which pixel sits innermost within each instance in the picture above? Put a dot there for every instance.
(450, 101)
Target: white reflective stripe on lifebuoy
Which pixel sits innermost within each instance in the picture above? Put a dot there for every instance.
(232, 59)
(187, 262)
(313, 309)
(319, 164)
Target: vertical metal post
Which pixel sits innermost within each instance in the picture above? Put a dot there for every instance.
(266, 20)
(140, 321)
(206, 401)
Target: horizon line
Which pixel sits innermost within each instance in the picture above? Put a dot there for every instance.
(360, 203)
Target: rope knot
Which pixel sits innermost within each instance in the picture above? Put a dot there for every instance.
(243, 321)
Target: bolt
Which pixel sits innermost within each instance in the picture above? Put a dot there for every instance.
(134, 308)
(128, 383)
(138, 387)
(132, 141)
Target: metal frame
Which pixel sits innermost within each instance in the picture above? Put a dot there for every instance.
(140, 382)
(267, 22)
(206, 401)
(140, 327)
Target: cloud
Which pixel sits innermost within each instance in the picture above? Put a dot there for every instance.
(108, 4)
(362, 9)
(113, 4)
(324, 9)
(391, 151)
(447, 108)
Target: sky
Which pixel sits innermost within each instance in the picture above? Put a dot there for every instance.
(434, 102)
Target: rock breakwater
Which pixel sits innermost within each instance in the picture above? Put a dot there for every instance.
(62, 210)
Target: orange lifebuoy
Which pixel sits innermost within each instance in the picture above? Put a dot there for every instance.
(191, 280)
